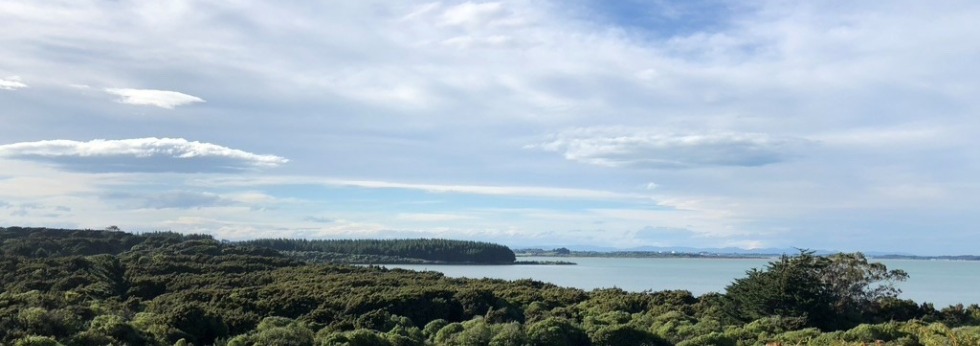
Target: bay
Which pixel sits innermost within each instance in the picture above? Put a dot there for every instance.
(942, 283)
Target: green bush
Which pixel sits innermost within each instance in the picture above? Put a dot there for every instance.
(710, 339)
(556, 331)
(433, 327)
(616, 335)
(37, 341)
(293, 335)
(508, 334)
(874, 332)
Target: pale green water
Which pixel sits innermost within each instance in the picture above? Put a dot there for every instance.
(939, 282)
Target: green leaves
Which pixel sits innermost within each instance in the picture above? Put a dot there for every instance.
(831, 292)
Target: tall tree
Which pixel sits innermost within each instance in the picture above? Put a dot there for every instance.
(831, 292)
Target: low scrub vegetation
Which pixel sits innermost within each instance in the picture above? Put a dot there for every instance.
(69, 287)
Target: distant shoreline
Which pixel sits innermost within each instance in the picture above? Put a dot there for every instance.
(710, 255)
(928, 258)
(415, 261)
(642, 254)
(522, 263)
(544, 263)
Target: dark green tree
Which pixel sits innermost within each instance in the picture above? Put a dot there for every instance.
(833, 292)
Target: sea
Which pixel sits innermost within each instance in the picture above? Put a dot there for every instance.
(939, 282)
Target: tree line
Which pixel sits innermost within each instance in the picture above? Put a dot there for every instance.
(173, 289)
(391, 250)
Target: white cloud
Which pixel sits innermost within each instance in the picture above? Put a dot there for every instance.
(11, 83)
(639, 148)
(171, 200)
(382, 89)
(471, 14)
(30, 181)
(469, 41)
(531, 191)
(140, 154)
(920, 193)
(431, 217)
(192, 199)
(319, 219)
(489, 190)
(149, 97)
(887, 137)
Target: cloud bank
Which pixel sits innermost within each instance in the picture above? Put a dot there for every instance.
(158, 98)
(139, 154)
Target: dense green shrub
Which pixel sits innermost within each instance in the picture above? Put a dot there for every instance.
(112, 288)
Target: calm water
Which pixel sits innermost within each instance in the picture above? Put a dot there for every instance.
(939, 282)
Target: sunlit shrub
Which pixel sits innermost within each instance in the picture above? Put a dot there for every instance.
(710, 339)
(37, 341)
(508, 334)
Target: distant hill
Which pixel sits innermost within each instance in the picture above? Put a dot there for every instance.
(50, 242)
(389, 251)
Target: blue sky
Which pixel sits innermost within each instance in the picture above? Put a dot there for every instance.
(836, 125)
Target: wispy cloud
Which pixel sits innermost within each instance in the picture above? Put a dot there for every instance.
(139, 154)
(11, 83)
(469, 14)
(639, 148)
(431, 217)
(319, 219)
(888, 137)
(149, 97)
(33, 209)
(171, 199)
(489, 190)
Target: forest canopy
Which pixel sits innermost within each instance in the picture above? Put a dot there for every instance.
(76, 287)
(390, 250)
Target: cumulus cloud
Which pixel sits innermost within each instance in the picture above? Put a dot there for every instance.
(139, 154)
(11, 83)
(669, 150)
(149, 97)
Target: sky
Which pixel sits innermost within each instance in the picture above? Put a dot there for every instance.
(837, 125)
